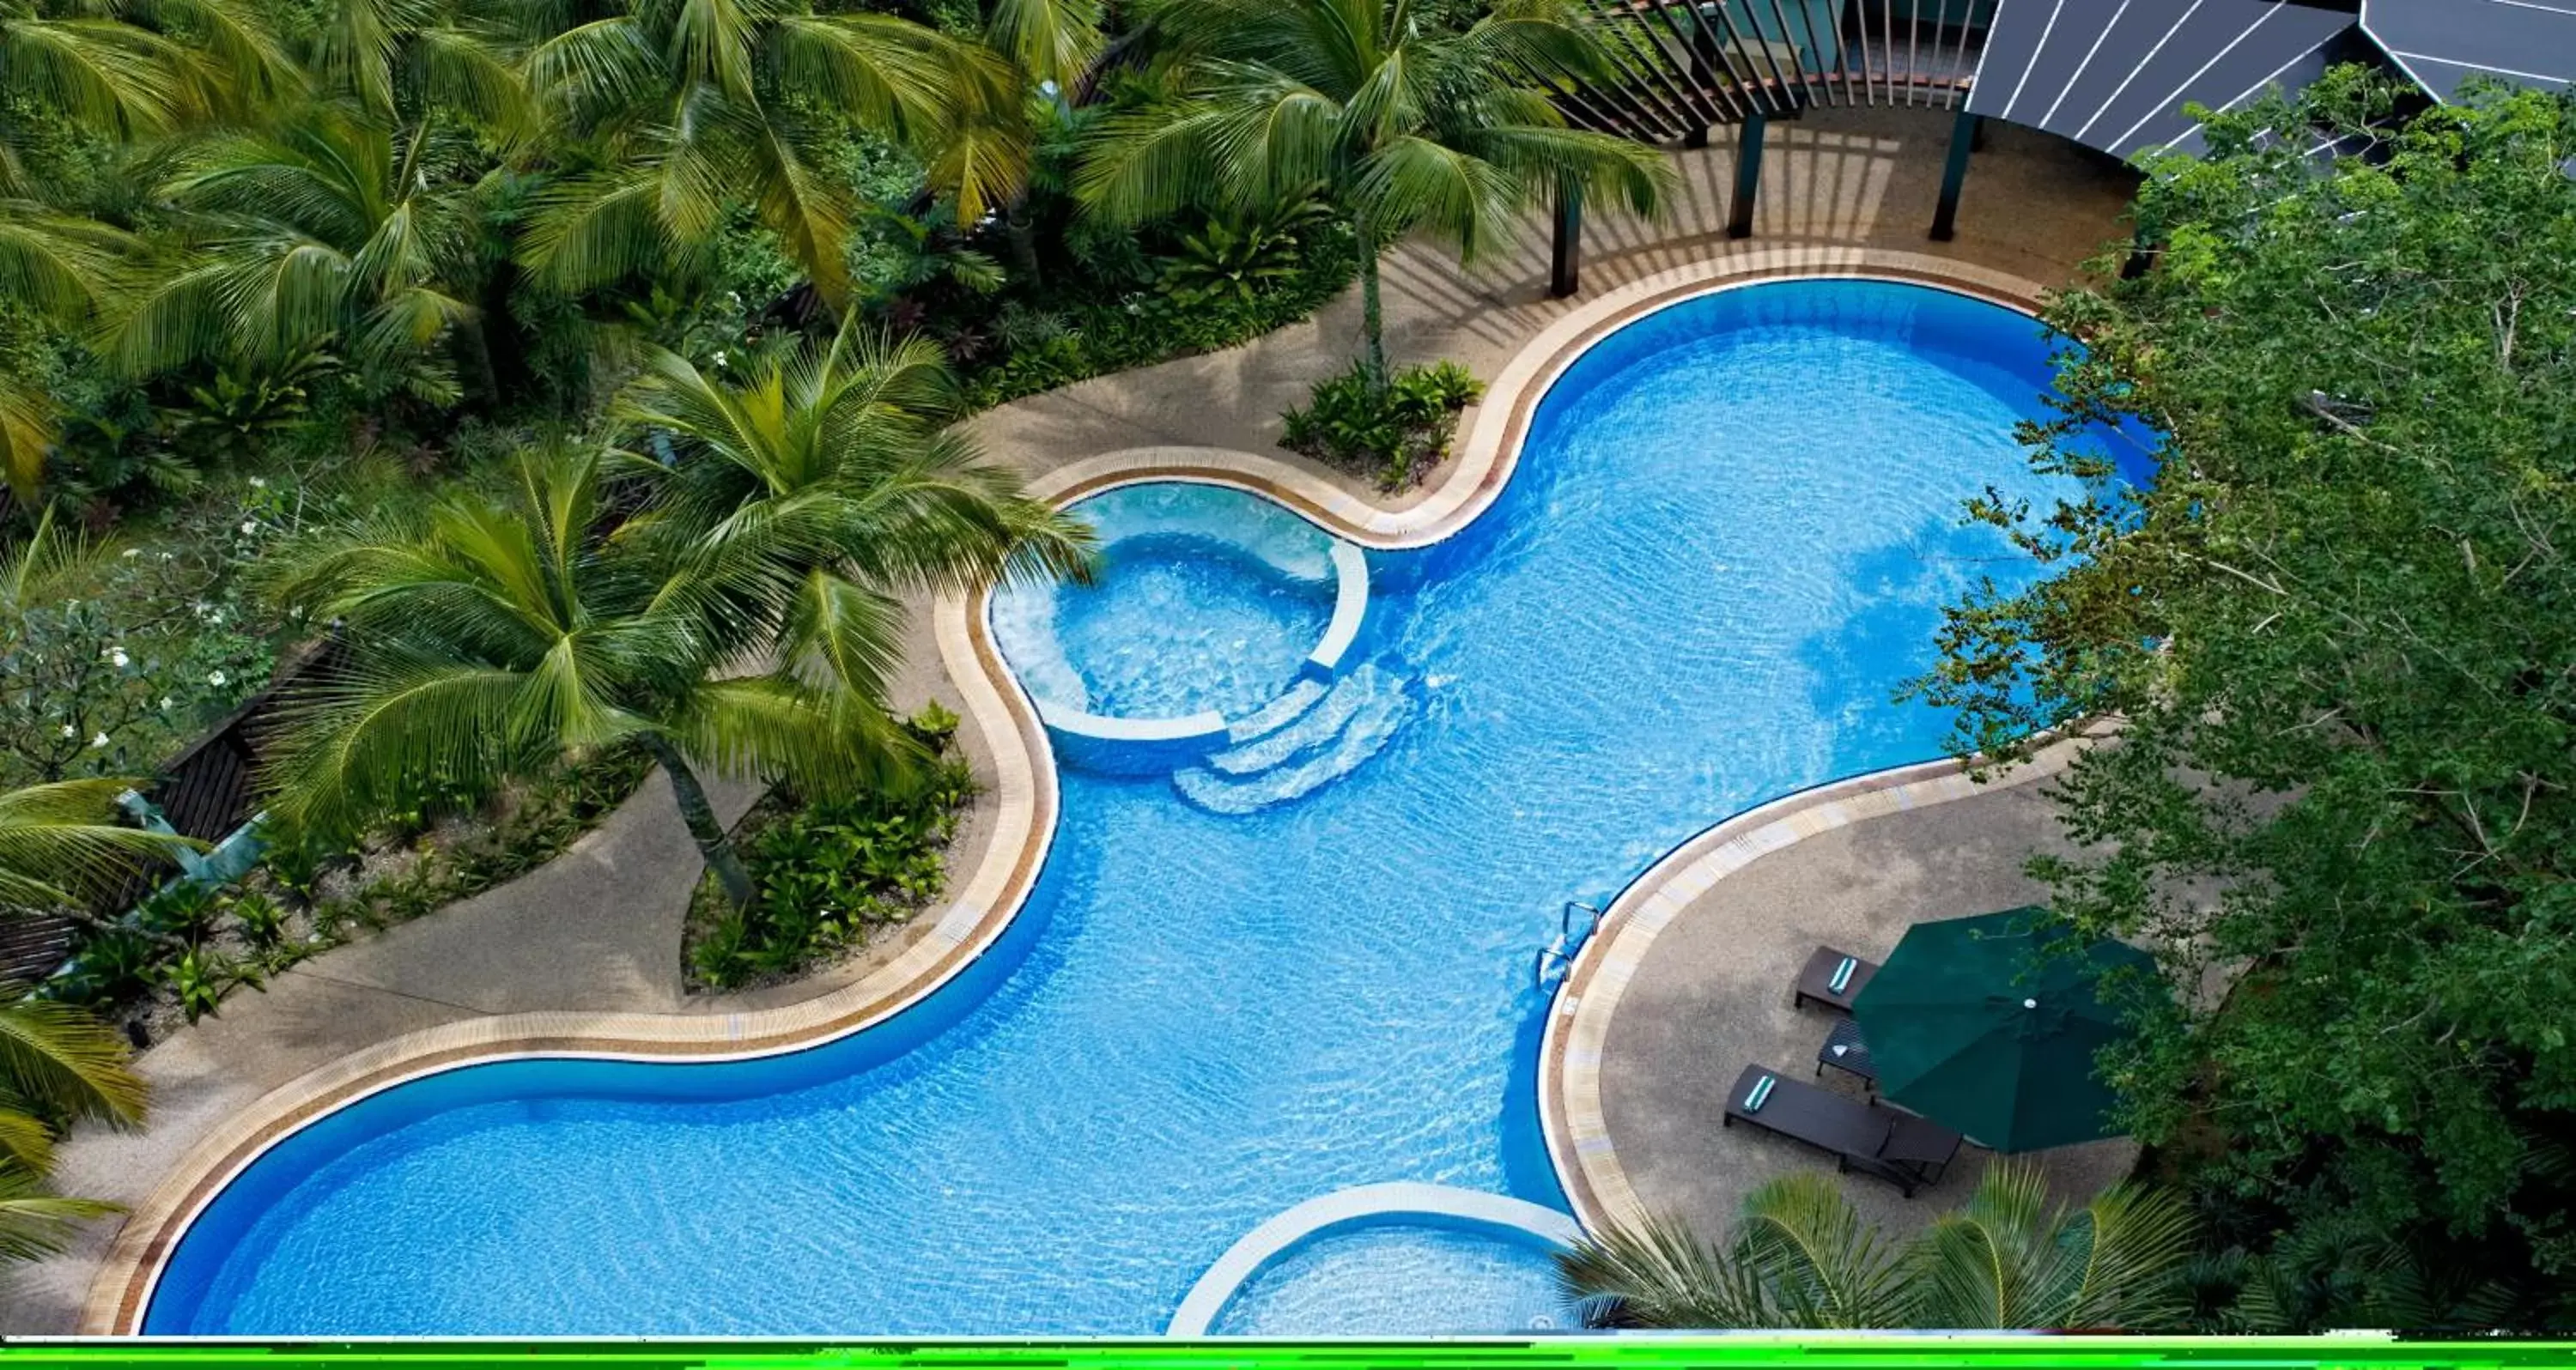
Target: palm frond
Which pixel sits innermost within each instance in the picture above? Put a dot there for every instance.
(107, 75)
(824, 738)
(847, 629)
(1413, 182)
(25, 1142)
(1144, 163)
(62, 1058)
(27, 425)
(61, 265)
(1655, 1273)
(58, 845)
(886, 70)
(35, 1224)
(1052, 40)
(1820, 1265)
(594, 229)
(593, 68)
(2136, 1239)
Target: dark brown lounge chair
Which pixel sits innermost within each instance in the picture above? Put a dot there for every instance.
(1904, 1150)
(1816, 981)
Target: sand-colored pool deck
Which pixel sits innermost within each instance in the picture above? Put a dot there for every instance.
(598, 930)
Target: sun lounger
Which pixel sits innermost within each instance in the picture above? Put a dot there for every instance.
(1904, 1150)
(1833, 978)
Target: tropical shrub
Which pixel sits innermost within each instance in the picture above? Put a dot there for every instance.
(1236, 259)
(832, 872)
(1139, 327)
(110, 660)
(1395, 433)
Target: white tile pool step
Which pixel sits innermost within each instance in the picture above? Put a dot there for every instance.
(1383, 707)
(1310, 727)
(1278, 713)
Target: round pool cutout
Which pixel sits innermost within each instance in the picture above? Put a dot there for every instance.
(1209, 604)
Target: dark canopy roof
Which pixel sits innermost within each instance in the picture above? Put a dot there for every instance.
(2114, 75)
(2442, 43)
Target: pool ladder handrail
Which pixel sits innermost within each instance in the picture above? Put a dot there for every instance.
(1558, 956)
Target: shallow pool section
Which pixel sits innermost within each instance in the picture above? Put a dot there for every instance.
(1207, 601)
(1411, 1280)
(1725, 547)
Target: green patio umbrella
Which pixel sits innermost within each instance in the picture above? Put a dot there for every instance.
(1986, 1025)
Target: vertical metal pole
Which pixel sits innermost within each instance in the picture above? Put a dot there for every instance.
(1748, 176)
(1565, 258)
(1963, 137)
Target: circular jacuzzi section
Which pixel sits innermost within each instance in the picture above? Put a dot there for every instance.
(1401, 1258)
(1210, 604)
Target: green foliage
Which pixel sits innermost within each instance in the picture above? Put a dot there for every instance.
(202, 976)
(280, 915)
(1395, 432)
(1398, 126)
(1236, 259)
(237, 412)
(110, 659)
(1802, 1257)
(1140, 327)
(832, 872)
(2334, 631)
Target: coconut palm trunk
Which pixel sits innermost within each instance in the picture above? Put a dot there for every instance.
(700, 816)
(1372, 311)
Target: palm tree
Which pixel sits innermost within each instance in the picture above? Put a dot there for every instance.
(68, 269)
(493, 634)
(126, 69)
(1403, 127)
(406, 61)
(821, 486)
(120, 70)
(690, 103)
(1803, 1258)
(58, 847)
(1800, 1257)
(326, 233)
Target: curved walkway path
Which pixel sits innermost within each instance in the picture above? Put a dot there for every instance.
(1847, 192)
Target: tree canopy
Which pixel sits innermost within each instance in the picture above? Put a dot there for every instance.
(2336, 634)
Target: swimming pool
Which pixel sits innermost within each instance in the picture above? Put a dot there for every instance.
(1723, 547)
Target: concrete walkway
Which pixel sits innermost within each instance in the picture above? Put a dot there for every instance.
(599, 928)
(1715, 996)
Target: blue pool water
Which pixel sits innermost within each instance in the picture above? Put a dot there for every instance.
(1206, 600)
(1401, 1280)
(1723, 549)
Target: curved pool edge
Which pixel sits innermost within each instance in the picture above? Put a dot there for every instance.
(1024, 773)
(1343, 1208)
(1572, 1122)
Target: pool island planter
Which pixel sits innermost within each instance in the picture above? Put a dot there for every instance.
(1024, 780)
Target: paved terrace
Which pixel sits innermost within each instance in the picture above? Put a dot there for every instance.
(599, 928)
(1710, 993)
